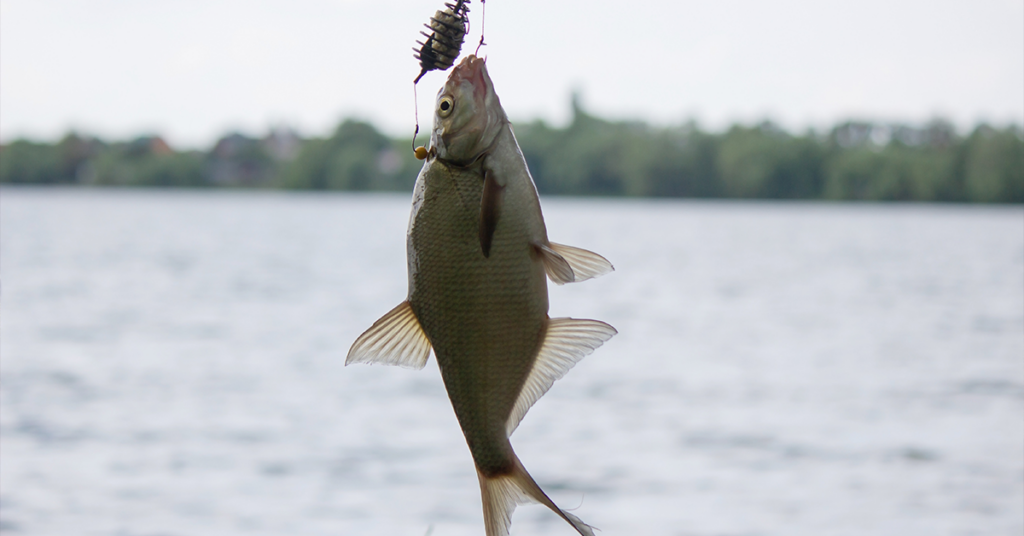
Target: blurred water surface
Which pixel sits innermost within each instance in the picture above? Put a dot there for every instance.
(172, 364)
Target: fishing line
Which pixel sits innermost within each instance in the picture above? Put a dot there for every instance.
(416, 116)
(483, 21)
(448, 29)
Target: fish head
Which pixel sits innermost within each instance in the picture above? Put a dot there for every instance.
(467, 114)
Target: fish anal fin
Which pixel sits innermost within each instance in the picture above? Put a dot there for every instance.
(490, 204)
(502, 493)
(395, 339)
(557, 268)
(566, 342)
(585, 264)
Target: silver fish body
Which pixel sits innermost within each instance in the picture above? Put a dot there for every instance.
(472, 306)
(478, 257)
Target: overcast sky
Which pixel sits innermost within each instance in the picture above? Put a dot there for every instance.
(193, 70)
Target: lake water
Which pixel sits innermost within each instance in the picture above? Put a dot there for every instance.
(172, 364)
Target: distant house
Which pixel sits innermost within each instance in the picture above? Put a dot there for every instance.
(240, 160)
(147, 146)
(233, 145)
(282, 143)
(159, 146)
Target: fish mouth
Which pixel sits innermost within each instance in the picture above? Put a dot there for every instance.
(472, 69)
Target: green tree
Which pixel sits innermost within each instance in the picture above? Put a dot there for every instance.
(766, 162)
(29, 162)
(994, 165)
(683, 163)
(355, 157)
(850, 174)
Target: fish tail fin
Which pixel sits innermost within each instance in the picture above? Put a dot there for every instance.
(502, 493)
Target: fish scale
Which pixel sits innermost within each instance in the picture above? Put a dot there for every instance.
(453, 283)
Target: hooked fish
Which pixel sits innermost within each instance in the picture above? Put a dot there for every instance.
(478, 253)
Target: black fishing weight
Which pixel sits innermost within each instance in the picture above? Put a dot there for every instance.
(448, 29)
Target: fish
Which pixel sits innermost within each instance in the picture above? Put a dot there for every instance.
(478, 262)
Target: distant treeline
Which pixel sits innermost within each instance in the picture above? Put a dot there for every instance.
(591, 156)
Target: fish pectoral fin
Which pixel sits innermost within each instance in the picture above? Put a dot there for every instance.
(396, 339)
(566, 264)
(490, 203)
(585, 264)
(566, 342)
(557, 268)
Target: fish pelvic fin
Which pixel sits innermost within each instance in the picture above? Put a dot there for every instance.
(566, 342)
(566, 264)
(501, 494)
(490, 203)
(396, 339)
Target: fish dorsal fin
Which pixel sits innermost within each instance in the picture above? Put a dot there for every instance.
(395, 339)
(566, 264)
(566, 341)
(585, 264)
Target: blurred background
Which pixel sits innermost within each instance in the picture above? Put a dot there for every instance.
(814, 209)
(797, 100)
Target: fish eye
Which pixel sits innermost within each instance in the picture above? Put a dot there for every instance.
(445, 107)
